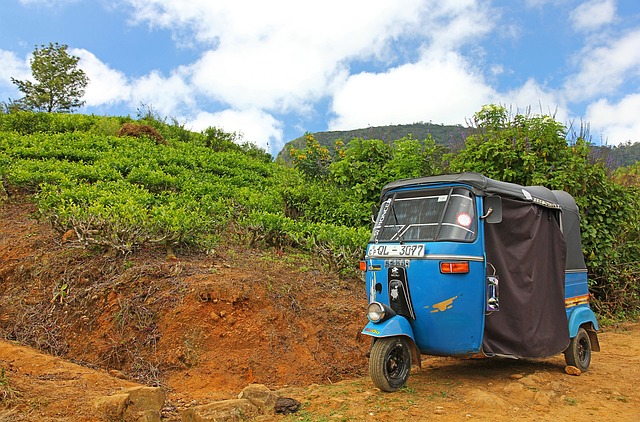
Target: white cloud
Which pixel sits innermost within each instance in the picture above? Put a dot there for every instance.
(106, 86)
(443, 90)
(167, 95)
(593, 14)
(283, 55)
(536, 99)
(616, 122)
(286, 55)
(12, 67)
(604, 69)
(254, 126)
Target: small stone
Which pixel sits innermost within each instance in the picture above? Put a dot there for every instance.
(287, 405)
(117, 374)
(260, 396)
(515, 376)
(572, 370)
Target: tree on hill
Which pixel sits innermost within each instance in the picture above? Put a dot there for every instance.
(59, 83)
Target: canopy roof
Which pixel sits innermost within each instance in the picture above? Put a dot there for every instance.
(483, 186)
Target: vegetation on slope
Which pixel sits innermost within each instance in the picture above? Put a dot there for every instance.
(120, 189)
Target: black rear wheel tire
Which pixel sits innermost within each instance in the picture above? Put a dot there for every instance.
(578, 353)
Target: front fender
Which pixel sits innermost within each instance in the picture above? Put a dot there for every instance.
(394, 326)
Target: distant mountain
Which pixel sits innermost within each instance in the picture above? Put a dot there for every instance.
(619, 156)
(446, 135)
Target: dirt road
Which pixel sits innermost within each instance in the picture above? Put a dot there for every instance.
(502, 390)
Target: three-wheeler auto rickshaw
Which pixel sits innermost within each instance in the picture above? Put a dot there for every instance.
(463, 265)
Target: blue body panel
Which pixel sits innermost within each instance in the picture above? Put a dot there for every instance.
(576, 284)
(579, 315)
(444, 304)
(577, 298)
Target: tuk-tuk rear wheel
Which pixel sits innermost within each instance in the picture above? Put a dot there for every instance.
(390, 363)
(578, 353)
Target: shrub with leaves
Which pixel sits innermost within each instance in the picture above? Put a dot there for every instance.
(313, 161)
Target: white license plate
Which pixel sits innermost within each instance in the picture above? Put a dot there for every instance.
(395, 251)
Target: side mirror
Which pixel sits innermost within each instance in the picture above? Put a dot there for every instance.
(492, 209)
(374, 213)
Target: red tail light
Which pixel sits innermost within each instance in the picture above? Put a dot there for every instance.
(363, 266)
(458, 267)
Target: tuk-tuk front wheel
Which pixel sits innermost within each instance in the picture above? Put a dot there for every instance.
(578, 353)
(390, 363)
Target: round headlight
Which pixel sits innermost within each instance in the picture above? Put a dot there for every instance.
(375, 312)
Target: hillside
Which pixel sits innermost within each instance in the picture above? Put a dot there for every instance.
(179, 260)
(202, 324)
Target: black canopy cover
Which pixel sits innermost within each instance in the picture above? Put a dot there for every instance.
(537, 240)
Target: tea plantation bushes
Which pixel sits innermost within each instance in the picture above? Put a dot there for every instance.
(124, 192)
(113, 214)
(339, 247)
(25, 122)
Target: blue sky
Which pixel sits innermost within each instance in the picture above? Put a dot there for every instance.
(272, 70)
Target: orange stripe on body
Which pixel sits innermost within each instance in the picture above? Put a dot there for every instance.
(576, 300)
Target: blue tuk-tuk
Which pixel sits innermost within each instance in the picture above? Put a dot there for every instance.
(463, 265)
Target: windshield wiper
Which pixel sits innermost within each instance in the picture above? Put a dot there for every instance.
(403, 228)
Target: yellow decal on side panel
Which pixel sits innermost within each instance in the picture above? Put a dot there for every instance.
(444, 305)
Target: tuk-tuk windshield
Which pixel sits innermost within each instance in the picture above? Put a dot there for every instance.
(427, 215)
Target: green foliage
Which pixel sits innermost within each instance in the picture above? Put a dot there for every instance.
(25, 122)
(525, 149)
(362, 168)
(369, 164)
(313, 161)
(321, 203)
(628, 176)
(125, 192)
(59, 82)
(339, 247)
(448, 136)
